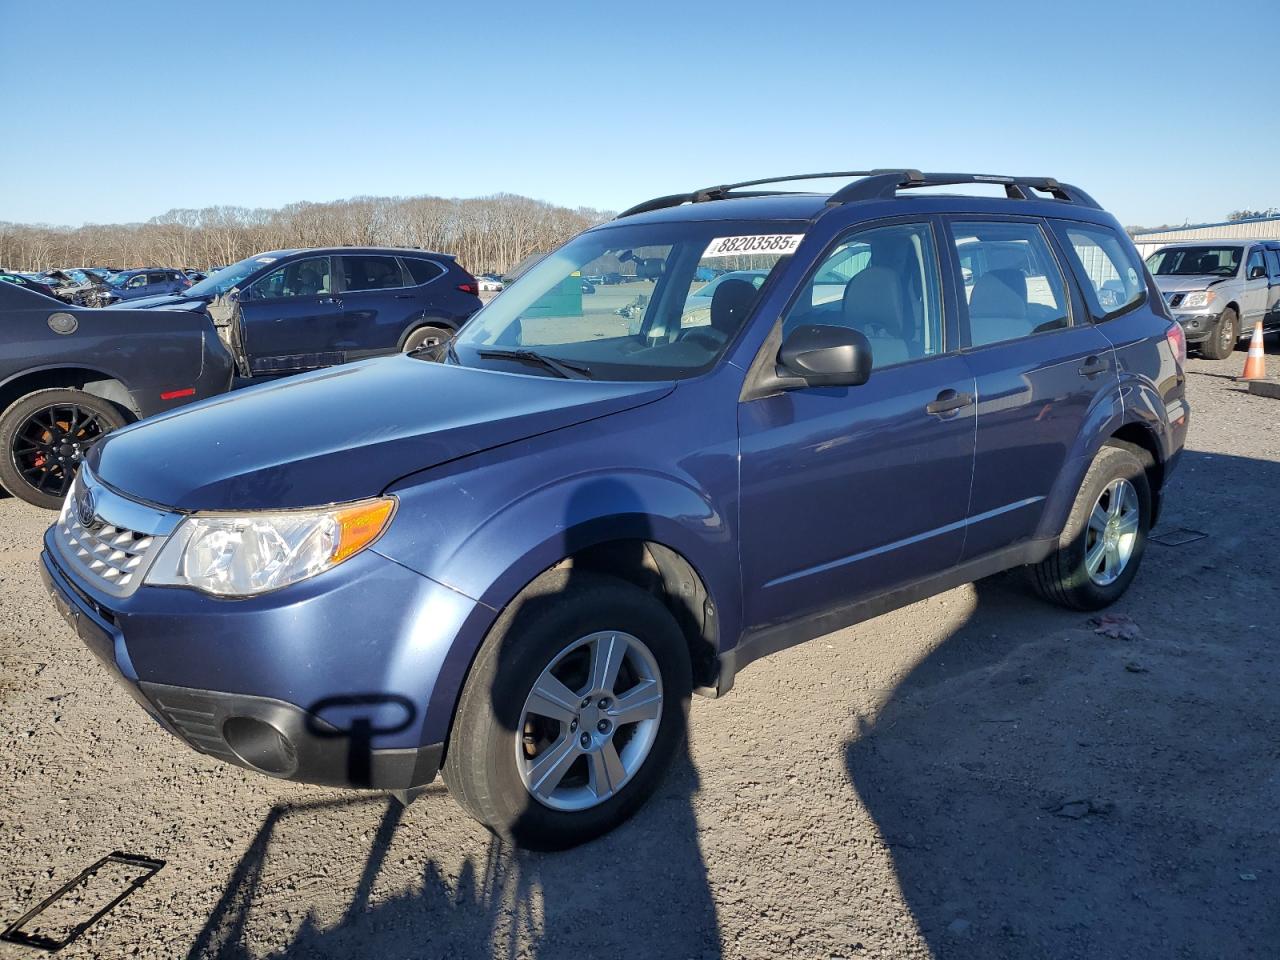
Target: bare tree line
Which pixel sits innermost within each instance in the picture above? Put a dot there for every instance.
(486, 233)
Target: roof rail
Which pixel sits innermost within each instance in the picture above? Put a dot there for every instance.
(885, 185)
(882, 184)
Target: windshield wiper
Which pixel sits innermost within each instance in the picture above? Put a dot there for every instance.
(561, 368)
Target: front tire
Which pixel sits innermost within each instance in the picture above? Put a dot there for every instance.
(1222, 342)
(572, 712)
(1105, 536)
(44, 437)
(425, 337)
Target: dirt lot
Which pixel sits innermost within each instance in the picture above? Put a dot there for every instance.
(976, 776)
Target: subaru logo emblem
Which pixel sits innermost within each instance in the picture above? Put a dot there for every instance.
(85, 508)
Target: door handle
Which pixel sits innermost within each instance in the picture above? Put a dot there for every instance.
(1092, 367)
(404, 296)
(949, 401)
(333, 300)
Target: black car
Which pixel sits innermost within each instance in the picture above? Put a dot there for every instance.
(291, 310)
(69, 375)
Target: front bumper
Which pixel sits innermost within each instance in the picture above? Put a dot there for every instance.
(331, 685)
(1197, 326)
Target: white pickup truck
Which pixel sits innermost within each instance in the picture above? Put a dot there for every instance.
(1218, 289)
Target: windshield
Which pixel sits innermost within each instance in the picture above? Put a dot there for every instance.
(1194, 261)
(229, 277)
(644, 321)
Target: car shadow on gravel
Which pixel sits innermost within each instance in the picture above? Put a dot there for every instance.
(627, 894)
(1054, 785)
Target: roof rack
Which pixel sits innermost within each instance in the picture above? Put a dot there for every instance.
(881, 184)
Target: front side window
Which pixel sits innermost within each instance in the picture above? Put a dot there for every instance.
(302, 278)
(649, 319)
(1198, 261)
(371, 273)
(1113, 280)
(882, 282)
(1254, 268)
(1012, 283)
(1273, 264)
(138, 280)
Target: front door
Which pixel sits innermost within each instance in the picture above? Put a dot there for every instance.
(848, 491)
(1255, 287)
(289, 318)
(1039, 365)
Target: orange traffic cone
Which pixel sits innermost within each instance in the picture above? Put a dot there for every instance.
(1255, 366)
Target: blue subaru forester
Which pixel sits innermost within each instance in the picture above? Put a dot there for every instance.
(512, 558)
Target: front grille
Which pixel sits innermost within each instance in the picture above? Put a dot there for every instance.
(114, 555)
(98, 543)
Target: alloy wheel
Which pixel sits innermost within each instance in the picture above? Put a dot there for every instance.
(590, 721)
(50, 444)
(1112, 532)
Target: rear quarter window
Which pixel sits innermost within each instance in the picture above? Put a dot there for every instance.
(1106, 267)
(422, 271)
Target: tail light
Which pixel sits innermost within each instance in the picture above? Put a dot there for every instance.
(1177, 338)
(470, 285)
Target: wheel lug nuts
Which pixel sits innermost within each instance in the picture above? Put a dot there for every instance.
(586, 701)
(573, 725)
(604, 703)
(603, 726)
(585, 740)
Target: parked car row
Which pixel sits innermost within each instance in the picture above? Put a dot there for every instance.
(70, 374)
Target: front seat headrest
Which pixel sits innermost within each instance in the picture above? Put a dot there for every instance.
(730, 304)
(999, 293)
(873, 303)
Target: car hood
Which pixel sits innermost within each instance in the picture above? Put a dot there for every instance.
(161, 302)
(1179, 284)
(342, 434)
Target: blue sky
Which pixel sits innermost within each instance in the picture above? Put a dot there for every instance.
(1163, 116)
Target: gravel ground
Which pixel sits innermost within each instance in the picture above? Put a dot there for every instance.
(976, 776)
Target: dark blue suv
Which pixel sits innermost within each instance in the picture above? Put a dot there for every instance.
(129, 285)
(303, 309)
(515, 556)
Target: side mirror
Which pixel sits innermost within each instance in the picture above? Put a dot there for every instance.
(1257, 273)
(826, 356)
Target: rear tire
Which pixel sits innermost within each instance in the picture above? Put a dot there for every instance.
(1084, 573)
(426, 337)
(1222, 342)
(496, 742)
(43, 438)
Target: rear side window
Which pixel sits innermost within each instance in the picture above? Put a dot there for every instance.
(371, 273)
(422, 271)
(1012, 282)
(1107, 268)
(882, 282)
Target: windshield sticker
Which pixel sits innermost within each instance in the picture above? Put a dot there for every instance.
(783, 244)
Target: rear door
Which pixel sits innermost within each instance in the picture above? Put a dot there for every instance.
(379, 300)
(290, 318)
(1039, 364)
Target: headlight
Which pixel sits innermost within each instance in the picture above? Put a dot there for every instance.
(240, 556)
(1201, 298)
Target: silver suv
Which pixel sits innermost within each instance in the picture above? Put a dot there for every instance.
(1218, 289)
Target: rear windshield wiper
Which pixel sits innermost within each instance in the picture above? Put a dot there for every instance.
(561, 368)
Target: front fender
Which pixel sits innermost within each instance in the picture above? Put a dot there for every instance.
(492, 556)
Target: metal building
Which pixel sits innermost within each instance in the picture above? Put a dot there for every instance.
(1256, 228)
